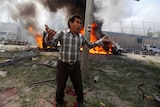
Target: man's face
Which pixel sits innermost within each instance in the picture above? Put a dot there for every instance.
(76, 26)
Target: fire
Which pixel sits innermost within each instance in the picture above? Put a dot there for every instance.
(97, 49)
(93, 38)
(38, 37)
(39, 40)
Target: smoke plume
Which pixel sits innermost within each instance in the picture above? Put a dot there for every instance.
(29, 13)
(40, 12)
(72, 6)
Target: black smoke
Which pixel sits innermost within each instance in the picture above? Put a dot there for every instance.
(26, 13)
(72, 6)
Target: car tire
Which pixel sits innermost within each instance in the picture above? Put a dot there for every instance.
(119, 52)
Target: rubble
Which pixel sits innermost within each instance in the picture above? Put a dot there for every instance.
(14, 61)
(96, 78)
(3, 73)
(12, 54)
(16, 47)
(44, 103)
(43, 81)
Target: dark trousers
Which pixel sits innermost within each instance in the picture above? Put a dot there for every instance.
(65, 70)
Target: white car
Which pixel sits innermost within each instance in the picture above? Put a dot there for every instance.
(151, 48)
(117, 49)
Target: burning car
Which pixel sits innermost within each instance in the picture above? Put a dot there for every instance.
(109, 47)
(113, 48)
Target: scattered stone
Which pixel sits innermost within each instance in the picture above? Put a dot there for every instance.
(3, 73)
(44, 103)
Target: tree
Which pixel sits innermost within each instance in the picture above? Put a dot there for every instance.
(158, 33)
(150, 33)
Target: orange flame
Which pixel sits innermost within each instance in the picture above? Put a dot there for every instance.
(38, 37)
(97, 49)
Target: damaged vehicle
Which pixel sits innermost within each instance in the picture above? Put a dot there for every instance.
(151, 48)
(113, 47)
(117, 49)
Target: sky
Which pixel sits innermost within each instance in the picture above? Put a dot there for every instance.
(109, 11)
(131, 13)
(144, 10)
(147, 10)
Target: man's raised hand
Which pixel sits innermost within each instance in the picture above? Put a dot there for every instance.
(50, 32)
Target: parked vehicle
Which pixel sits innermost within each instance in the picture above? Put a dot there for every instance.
(151, 48)
(7, 35)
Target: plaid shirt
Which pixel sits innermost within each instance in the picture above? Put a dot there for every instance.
(70, 45)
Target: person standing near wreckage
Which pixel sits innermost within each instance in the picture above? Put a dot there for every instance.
(68, 64)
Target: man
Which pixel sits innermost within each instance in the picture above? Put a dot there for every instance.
(69, 60)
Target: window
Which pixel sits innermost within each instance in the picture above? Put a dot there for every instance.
(153, 46)
(11, 34)
(3, 33)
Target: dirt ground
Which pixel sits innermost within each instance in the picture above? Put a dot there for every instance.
(32, 83)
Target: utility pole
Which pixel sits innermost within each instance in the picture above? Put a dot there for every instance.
(87, 28)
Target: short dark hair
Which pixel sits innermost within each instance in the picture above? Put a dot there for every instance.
(72, 18)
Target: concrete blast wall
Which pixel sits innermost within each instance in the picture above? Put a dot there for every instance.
(132, 41)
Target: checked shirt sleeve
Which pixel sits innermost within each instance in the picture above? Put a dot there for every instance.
(92, 44)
